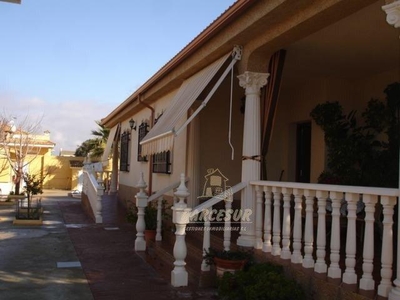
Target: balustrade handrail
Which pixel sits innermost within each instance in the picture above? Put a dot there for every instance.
(394, 192)
(218, 198)
(92, 179)
(164, 190)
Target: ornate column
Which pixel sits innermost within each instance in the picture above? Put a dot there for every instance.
(251, 159)
(141, 203)
(392, 11)
(114, 173)
(180, 217)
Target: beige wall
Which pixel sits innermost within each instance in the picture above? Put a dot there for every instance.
(215, 151)
(295, 105)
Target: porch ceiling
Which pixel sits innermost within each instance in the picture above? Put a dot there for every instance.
(361, 44)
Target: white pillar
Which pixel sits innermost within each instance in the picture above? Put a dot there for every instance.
(180, 217)
(141, 203)
(334, 269)
(350, 276)
(114, 173)
(297, 258)
(385, 286)
(252, 82)
(227, 222)
(308, 261)
(393, 18)
(267, 246)
(206, 241)
(193, 161)
(285, 254)
(258, 243)
(367, 282)
(276, 228)
(159, 219)
(320, 264)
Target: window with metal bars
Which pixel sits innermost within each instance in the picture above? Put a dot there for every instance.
(162, 162)
(143, 130)
(124, 152)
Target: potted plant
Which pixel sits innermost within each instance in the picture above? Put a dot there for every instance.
(227, 261)
(150, 220)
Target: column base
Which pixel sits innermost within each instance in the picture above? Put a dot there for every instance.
(140, 245)
(349, 278)
(246, 241)
(179, 278)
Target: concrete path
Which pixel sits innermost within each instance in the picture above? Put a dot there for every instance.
(29, 257)
(70, 257)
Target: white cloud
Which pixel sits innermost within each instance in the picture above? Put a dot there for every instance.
(69, 122)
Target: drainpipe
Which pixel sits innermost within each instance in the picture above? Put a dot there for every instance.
(150, 180)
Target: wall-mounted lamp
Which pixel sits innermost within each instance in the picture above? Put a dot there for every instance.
(132, 124)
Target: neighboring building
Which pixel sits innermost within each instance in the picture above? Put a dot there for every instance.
(292, 55)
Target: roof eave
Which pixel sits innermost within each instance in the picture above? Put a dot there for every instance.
(215, 27)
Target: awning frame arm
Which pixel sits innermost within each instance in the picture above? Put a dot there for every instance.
(236, 55)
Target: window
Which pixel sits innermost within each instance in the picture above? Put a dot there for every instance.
(124, 155)
(162, 162)
(143, 130)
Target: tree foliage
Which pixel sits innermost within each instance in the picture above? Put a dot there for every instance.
(365, 154)
(94, 147)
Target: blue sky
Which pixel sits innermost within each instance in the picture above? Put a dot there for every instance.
(73, 61)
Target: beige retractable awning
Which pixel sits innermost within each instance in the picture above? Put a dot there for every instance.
(112, 136)
(161, 137)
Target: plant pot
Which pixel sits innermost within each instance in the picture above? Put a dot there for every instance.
(224, 265)
(150, 235)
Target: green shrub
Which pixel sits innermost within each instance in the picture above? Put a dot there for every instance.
(260, 281)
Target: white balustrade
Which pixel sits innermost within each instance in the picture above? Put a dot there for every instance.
(308, 261)
(285, 254)
(141, 203)
(94, 191)
(350, 276)
(159, 219)
(258, 242)
(267, 246)
(227, 221)
(385, 286)
(367, 282)
(297, 258)
(320, 265)
(341, 216)
(276, 229)
(180, 217)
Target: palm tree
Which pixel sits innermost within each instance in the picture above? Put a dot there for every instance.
(94, 147)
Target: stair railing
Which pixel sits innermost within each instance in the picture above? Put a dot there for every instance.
(206, 212)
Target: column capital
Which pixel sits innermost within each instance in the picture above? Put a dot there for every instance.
(392, 11)
(252, 81)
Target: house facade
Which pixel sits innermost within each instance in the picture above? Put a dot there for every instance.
(238, 99)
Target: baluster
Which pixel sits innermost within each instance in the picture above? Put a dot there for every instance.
(206, 238)
(267, 246)
(334, 270)
(98, 204)
(385, 286)
(180, 217)
(286, 223)
(227, 220)
(258, 242)
(308, 261)
(320, 264)
(159, 219)
(276, 239)
(350, 276)
(141, 203)
(297, 258)
(367, 282)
